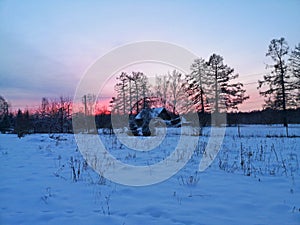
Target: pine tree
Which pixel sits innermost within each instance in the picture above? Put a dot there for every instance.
(132, 92)
(140, 90)
(295, 70)
(198, 83)
(277, 86)
(22, 123)
(4, 116)
(122, 88)
(224, 94)
(4, 124)
(19, 124)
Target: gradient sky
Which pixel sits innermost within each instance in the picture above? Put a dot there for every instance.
(46, 46)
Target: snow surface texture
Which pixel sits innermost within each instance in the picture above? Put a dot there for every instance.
(253, 180)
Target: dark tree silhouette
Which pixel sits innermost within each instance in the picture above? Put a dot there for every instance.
(130, 89)
(53, 116)
(225, 94)
(22, 123)
(122, 88)
(278, 86)
(176, 91)
(4, 115)
(161, 88)
(198, 83)
(295, 69)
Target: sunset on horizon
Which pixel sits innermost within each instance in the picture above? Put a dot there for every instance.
(157, 112)
(48, 46)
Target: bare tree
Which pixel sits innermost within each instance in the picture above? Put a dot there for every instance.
(89, 102)
(65, 114)
(54, 115)
(145, 89)
(161, 88)
(176, 90)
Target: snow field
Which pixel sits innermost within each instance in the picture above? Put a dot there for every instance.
(37, 184)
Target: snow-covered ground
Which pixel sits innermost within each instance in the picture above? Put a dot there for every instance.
(253, 180)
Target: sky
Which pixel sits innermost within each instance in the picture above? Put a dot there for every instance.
(47, 46)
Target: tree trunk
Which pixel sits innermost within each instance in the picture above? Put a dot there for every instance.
(283, 93)
(216, 91)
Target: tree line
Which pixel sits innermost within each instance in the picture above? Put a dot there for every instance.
(53, 116)
(281, 87)
(210, 87)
